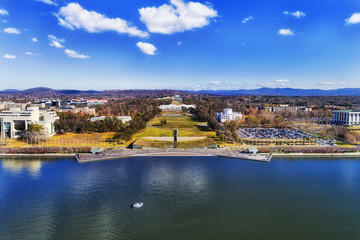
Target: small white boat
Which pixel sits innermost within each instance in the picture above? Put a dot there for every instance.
(137, 205)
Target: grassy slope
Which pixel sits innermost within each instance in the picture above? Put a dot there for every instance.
(162, 144)
(186, 125)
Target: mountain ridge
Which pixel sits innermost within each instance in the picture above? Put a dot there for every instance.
(291, 92)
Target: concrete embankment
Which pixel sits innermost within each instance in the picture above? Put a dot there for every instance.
(45, 155)
(229, 153)
(326, 155)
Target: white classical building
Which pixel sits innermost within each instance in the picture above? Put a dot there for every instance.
(228, 115)
(15, 121)
(176, 107)
(346, 117)
(124, 119)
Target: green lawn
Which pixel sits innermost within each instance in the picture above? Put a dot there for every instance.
(187, 126)
(187, 144)
(183, 122)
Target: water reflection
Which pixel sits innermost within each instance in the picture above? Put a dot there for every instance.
(33, 166)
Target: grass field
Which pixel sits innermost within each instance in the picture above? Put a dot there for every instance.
(163, 144)
(176, 102)
(183, 122)
(187, 126)
(70, 139)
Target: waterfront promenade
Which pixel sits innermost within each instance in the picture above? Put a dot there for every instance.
(124, 153)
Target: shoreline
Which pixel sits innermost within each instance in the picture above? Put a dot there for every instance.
(179, 154)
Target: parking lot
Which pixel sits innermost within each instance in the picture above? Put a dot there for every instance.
(281, 134)
(274, 133)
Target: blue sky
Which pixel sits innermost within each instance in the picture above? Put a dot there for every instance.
(142, 44)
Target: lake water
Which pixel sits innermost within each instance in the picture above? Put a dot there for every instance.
(184, 198)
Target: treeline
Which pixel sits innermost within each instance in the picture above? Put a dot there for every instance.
(78, 123)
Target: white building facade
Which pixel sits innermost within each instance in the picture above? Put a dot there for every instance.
(346, 117)
(124, 119)
(176, 107)
(228, 115)
(15, 121)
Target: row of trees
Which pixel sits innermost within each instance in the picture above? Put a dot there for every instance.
(77, 123)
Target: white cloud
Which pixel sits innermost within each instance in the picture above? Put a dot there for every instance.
(55, 42)
(34, 39)
(5, 21)
(179, 43)
(9, 56)
(326, 83)
(146, 48)
(177, 16)
(3, 12)
(297, 14)
(11, 30)
(282, 80)
(73, 16)
(32, 54)
(73, 54)
(215, 83)
(331, 83)
(286, 32)
(247, 19)
(355, 18)
(49, 2)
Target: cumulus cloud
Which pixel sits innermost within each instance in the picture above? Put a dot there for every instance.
(55, 42)
(49, 2)
(282, 80)
(12, 30)
(34, 39)
(178, 16)
(247, 19)
(73, 16)
(354, 19)
(286, 32)
(3, 12)
(73, 54)
(297, 14)
(9, 56)
(146, 48)
(32, 54)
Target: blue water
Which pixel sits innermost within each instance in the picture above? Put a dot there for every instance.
(184, 198)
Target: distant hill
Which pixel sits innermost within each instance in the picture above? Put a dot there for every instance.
(41, 92)
(9, 91)
(291, 92)
(285, 92)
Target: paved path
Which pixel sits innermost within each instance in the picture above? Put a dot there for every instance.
(180, 139)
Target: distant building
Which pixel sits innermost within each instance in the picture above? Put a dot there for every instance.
(176, 107)
(346, 117)
(124, 119)
(15, 121)
(228, 115)
(287, 108)
(72, 109)
(6, 105)
(91, 102)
